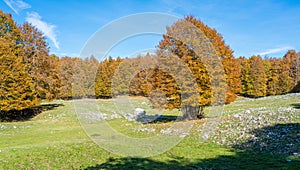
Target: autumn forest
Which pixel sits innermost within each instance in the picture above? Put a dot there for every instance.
(29, 74)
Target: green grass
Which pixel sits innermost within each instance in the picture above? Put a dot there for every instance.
(266, 103)
(55, 139)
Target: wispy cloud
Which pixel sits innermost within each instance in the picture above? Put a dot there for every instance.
(275, 50)
(48, 29)
(35, 19)
(17, 5)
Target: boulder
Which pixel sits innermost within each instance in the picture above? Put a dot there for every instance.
(139, 113)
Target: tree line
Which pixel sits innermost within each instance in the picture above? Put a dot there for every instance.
(251, 77)
(29, 74)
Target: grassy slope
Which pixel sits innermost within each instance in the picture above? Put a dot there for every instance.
(55, 140)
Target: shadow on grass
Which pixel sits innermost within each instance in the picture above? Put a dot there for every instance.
(296, 105)
(280, 145)
(242, 160)
(280, 139)
(26, 114)
(158, 119)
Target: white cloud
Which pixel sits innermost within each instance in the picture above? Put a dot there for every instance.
(275, 50)
(17, 5)
(48, 29)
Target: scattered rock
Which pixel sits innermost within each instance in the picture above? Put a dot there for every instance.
(145, 129)
(2, 127)
(175, 132)
(129, 117)
(184, 135)
(255, 129)
(100, 116)
(115, 116)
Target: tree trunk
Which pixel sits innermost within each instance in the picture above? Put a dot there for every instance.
(192, 112)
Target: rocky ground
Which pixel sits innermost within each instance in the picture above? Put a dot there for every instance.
(261, 129)
(265, 125)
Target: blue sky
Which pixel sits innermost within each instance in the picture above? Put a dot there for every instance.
(265, 27)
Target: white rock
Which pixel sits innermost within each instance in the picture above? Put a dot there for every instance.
(115, 116)
(183, 135)
(205, 136)
(139, 113)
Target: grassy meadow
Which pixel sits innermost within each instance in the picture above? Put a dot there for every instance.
(259, 133)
